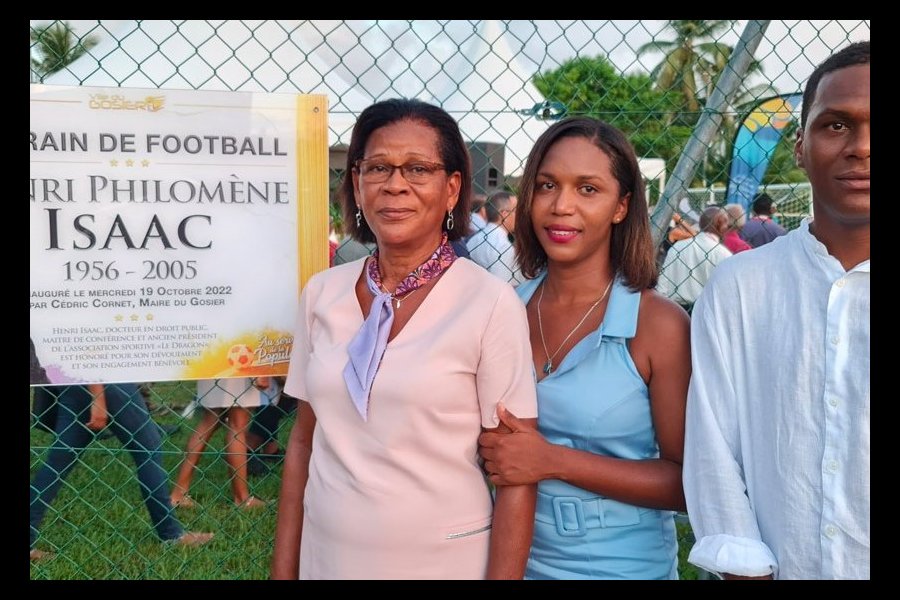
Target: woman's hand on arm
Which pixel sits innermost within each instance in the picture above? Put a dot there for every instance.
(515, 452)
(289, 523)
(516, 494)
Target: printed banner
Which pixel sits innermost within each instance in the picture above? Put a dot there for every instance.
(754, 144)
(171, 231)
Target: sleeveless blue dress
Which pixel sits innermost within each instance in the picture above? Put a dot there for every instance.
(597, 401)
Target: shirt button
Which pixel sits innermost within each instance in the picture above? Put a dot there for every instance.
(840, 282)
(832, 465)
(831, 531)
(833, 401)
(836, 340)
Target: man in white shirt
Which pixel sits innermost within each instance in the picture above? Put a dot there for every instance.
(690, 262)
(491, 247)
(776, 459)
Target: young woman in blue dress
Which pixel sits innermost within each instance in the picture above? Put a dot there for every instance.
(612, 361)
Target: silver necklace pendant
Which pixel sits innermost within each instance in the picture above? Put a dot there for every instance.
(548, 366)
(398, 299)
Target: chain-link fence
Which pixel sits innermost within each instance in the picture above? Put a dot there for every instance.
(505, 82)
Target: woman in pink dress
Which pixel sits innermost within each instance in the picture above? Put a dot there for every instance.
(400, 361)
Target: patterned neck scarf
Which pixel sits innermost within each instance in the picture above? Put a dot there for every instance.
(368, 345)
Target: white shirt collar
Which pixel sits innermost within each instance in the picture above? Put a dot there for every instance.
(817, 249)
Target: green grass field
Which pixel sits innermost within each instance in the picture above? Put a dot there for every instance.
(98, 527)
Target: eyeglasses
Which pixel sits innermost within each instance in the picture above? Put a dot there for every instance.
(374, 170)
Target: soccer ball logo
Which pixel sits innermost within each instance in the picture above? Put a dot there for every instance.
(240, 356)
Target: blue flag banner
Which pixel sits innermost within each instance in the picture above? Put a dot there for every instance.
(754, 144)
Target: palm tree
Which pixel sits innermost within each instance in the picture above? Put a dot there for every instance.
(55, 46)
(689, 58)
(692, 64)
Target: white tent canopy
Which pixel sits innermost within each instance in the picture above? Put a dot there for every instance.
(653, 169)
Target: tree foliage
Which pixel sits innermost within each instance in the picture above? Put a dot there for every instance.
(692, 61)
(783, 166)
(652, 119)
(55, 46)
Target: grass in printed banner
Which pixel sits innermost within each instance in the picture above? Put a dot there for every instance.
(99, 528)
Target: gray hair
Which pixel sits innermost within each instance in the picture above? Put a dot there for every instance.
(737, 218)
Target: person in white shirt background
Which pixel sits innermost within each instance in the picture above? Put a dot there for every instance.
(690, 262)
(492, 247)
(776, 460)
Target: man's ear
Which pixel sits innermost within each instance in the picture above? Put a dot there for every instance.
(798, 150)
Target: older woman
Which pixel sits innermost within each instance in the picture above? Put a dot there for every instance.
(400, 361)
(737, 218)
(612, 358)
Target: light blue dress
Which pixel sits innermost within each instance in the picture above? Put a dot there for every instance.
(597, 401)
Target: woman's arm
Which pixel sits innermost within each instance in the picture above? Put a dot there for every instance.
(289, 524)
(506, 377)
(99, 416)
(661, 350)
(513, 526)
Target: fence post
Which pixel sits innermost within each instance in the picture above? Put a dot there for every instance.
(709, 122)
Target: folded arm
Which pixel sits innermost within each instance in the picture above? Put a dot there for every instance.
(724, 523)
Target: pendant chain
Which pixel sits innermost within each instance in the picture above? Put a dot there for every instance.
(548, 366)
(397, 299)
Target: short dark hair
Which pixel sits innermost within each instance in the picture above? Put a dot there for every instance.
(478, 201)
(762, 204)
(496, 202)
(451, 147)
(854, 54)
(631, 248)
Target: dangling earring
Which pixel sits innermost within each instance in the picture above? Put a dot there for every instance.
(449, 220)
(358, 217)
